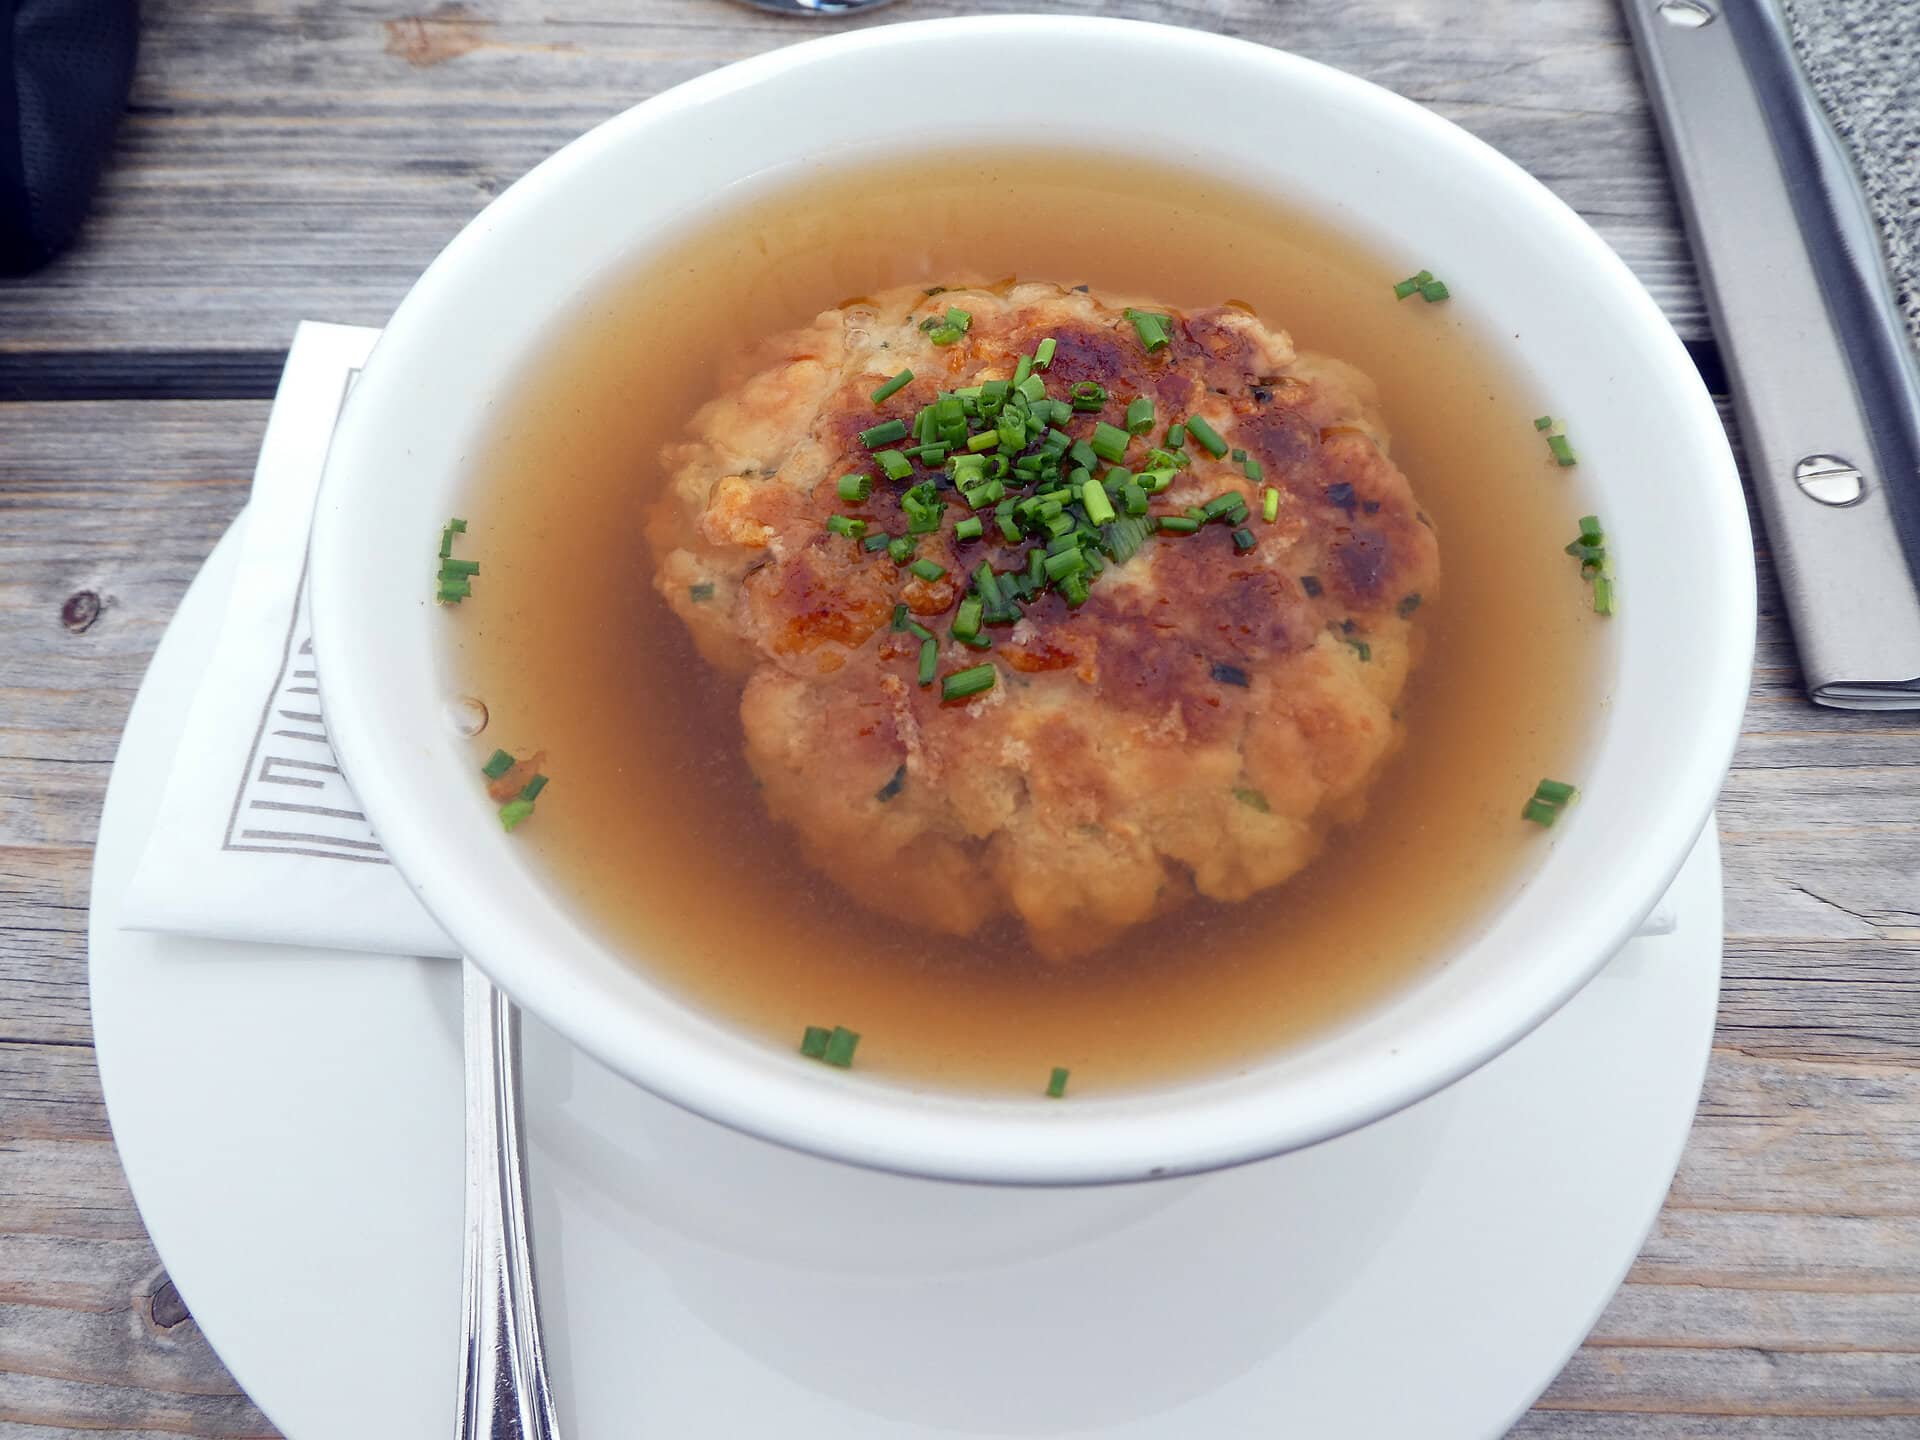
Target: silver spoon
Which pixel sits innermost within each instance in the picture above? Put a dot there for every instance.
(503, 1393)
(816, 9)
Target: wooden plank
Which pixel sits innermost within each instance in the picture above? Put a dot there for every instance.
(286, 162)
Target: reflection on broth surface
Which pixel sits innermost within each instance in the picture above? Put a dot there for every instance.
(1077, 949)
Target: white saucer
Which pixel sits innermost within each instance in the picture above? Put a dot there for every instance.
(290, 1124)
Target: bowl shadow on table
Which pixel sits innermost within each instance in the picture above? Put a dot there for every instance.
(981, 1309)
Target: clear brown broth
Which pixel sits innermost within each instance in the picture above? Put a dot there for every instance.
(652, 827)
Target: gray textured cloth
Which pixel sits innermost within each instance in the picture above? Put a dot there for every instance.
(1863, 57)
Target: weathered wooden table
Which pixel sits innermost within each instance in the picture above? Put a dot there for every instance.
(286, 160)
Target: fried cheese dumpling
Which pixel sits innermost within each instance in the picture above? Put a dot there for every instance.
(1007, 643)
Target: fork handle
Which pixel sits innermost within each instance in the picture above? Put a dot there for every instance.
(503, 1393)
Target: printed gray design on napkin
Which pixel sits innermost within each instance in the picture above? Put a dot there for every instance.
(1863, 58)
(259, 836)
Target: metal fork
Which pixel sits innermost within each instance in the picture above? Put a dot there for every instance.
(503, 1393)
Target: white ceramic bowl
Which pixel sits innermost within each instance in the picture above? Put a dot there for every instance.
(1373, 163)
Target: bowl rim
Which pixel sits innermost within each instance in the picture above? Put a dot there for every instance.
(1106, 1141)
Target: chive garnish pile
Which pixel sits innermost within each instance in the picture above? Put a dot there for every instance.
(1000, 454)
(1550, 797)
(455, 581)
(1589, 547)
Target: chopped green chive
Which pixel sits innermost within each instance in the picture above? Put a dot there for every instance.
(700, 593)
(1550, 797)
(497, 765)
(1224, 504)
(876, 542)
(970, 528)
(513, 813)
(813, 1041)
(1409, 603)
(964, 683)
(1434, 291)
(1243, 539)
(1109, 442)
(1089, 396)
(893, 387)
(840, 1047)
(1405, 288)
(1070, 561)
(1543, 422)
(457, 525)
(896, 465)
(1178, 524)
(1270, 505)
(884, 433)
(900, 616)
(856, 488)
(1176, 437)
(446, 542)
(1253, 469)
(929, 660)
(1360, 647)
(1562, 451)
(1022, 369)
(900, 549)
(1252, 799)
(959, 319)
(966, 621)
(1207, 436)
(847, 525)
(531, 790)
(1152, 329)
(893, 786)
(1099, 508)
(927, 570)
(1602, 595)
(1057, 1082)
(1539, 812)
(1043, 354)
(1139, 415)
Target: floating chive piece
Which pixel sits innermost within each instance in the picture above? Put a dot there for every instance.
(1043, 354)
(1243, 539)
(1178, 524)
(1540, 812)
(893, 786)
(1139, 415)
(497, 765)
(927, 570)
(457, 525)
(513, 813)
(1099, 507)
(855, 488)
(1252, 799)
(531, 790)
(1409, 603)
(1602, 595)
(1405, 288)
(1543, 422)
(1109, 441)
(964, 683)
(1562, 450)
(1270, 505)
(970, 528)
(1057, 1082)
(813, 1041)
(847, 525)
(1434, 291)
(892, 387)
(929, 660)
(1555, 792)
(1089, 395)
(840, 1047)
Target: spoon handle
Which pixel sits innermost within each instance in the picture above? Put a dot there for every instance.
(503, 1391)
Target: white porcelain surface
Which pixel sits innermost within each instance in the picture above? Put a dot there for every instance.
(298, 1165)
(1387, 170)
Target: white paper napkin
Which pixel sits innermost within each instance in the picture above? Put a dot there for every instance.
(258, 837)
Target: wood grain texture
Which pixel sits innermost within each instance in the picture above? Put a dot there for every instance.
(293, 160)
(298, 161)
